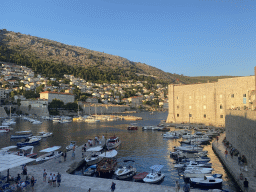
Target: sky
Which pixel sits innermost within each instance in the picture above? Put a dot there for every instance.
(189, 37)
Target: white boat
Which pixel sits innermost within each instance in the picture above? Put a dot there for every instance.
(197, 170)
(113, 142)
(109, 154)
(91, 119)
(155, 176)
(125, 172)
(27, 151)
(92, 155)
(7, 149)
(51, 153)
(65, 121)
(206, 182)
(56, 119)
(21, 134)
(4, 129)
(8, 122)
(171, 135)
(150, 128)
(44, 134)
(71, 145)
(35, 122)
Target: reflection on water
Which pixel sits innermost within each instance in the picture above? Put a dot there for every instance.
(145, 147)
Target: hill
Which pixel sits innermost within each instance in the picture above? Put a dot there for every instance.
(54, 58)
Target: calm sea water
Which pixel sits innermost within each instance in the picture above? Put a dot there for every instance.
(147, 148)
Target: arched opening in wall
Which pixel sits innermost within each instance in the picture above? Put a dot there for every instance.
(221, 107)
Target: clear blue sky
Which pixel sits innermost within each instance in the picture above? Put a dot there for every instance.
(189, 37)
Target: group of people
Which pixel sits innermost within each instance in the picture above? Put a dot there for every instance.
(52, 178)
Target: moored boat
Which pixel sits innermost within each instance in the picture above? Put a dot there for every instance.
(90, 170)
(125, 172)
(155, 176)
(24, 151)
(29, 141)
(21, 134)
(4, 129)
(51, 153)
(132, 127)
(140, 176)
(113, 142)
(206, 182)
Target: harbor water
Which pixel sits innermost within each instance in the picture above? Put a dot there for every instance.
(146, 148)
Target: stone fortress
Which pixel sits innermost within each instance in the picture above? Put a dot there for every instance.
(207, 102)
(228, 103)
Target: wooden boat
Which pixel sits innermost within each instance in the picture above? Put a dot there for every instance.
(106, 167)
(140, 176)
(113, 142)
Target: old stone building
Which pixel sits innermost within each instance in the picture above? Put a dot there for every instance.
(207, 102)
(65, 97)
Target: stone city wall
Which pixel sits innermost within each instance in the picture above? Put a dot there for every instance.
(207, 102)
(90, 109)
(241, 133)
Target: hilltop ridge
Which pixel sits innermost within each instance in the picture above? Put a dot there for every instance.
(16, 45)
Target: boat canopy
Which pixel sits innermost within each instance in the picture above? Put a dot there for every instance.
(50, 149)
(109, 154)
(7, 148)
(157, 167)
(8, 161)
(96, 149)
(26, 148)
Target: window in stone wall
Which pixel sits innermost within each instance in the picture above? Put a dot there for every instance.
(178, 106)
(221, 107)
(221, 116)
(178, 115)
(244, 95)
(232, 95)
(177, 97)
(204, 115)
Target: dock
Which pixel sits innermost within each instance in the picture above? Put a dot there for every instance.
(79, 183)
(231, 164)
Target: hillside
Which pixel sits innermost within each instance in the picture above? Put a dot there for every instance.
(42, 53)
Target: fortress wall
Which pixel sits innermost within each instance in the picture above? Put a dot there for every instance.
(241, 133)
(207, 102)
(2, 113)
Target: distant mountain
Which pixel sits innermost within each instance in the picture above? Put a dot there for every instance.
(17, 46)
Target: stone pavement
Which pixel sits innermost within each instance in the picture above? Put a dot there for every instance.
(232, 165)
(78, 183)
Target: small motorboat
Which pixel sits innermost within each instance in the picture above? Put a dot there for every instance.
(45, 134)
(171, 135)
(4, 129)
(132, 127)
(113, 142)
(51, 153)
(155, 176)
(21, 134)
(24, 151)
(125, 172)
(140, 176)
(29, 141)
(206, 182)
(197, 170)
(90, 170)
(71, 145)
(92, 155)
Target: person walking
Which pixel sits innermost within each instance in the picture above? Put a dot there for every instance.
(89, 190)
(113, 187)
(54, 180)
(50, 179)
(58, 179)
(177, 186)
(65, 156)
(44, 176)
(73, 155)
(186, 187)
(32, 181)
(217, 139)
(226, 154)
(246, 184)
